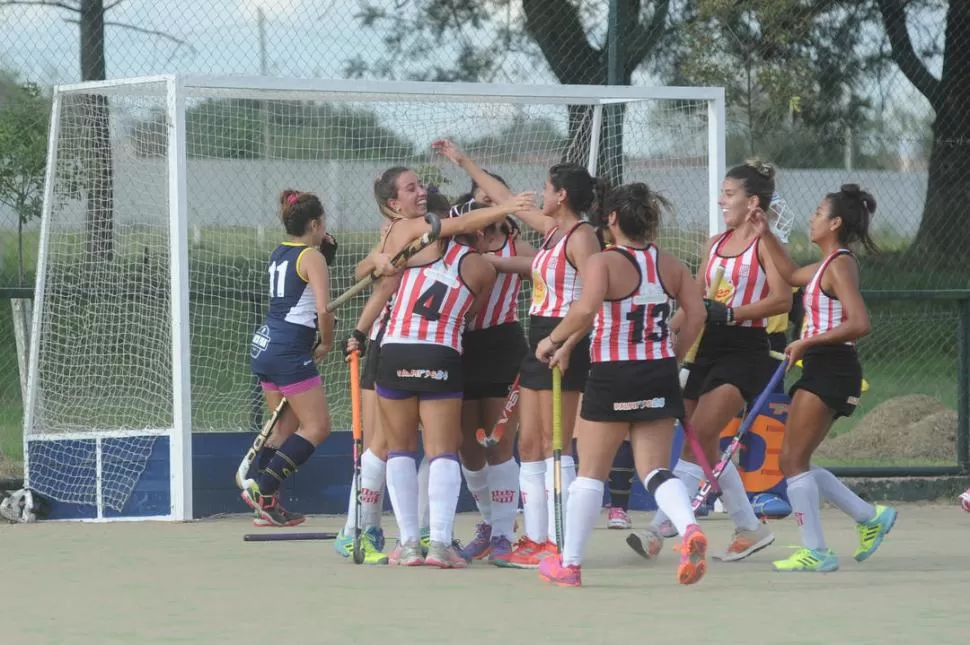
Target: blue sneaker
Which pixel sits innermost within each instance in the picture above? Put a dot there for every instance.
(811, 560)
(373, 537)
(872, 533)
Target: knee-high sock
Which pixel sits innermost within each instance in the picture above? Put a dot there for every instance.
(402, 486)
(477, 481)
(424, 517)
(532, 482)
(842, 496)
(690, 474)
(568, 476)
(735, 499)
(444, 485)
(291, 455)
(585, 501)
(373, 474)
(804, 497)
(503, 483)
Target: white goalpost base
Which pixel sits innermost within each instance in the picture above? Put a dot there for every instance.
(161, 207)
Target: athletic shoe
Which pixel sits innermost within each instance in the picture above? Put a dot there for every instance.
(745, 543)
(478, 548)
(498, 545)
(369, 541)
(289, 517)
(406, 555)
(811, 560)
(618, 519)
(647, 543)
(693, 553)
(872, 533)
(522, 555)
(444, 556)
(666, 529)
(266, 507)
(552, 570)
(965, 500)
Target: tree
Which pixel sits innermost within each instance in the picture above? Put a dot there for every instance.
(943, 238)
(792, 73)
(24, 114)
(485, 35)
(92, 111)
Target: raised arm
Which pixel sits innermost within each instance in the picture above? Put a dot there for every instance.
(495, 189)
(772, 247)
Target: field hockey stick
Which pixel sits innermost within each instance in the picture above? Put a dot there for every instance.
(399, 259)
(511, 401)
(695, 447)
(247, 461)
(358, 448)
(711, 293)
(287, 537)
(402, 256)
(557, 455)
(728, 453)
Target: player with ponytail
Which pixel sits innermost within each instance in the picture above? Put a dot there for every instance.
(831, 379)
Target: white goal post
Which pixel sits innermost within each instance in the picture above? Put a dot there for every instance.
(160, 209)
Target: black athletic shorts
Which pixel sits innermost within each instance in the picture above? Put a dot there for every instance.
(833, 374)
(731, 355)
(631, 391)
(537, 376)
(368, 371)
(490, 359)
(414, 369)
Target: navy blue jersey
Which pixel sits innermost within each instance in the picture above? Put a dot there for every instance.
(291, 322)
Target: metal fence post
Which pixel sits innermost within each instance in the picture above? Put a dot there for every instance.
(963, 384)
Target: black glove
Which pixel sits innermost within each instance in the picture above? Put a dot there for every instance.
(361, 339)
(328, 247)
(718, 313)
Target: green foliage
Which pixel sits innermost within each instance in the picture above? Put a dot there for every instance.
(249, 129)
(793, 73)
(24, 116)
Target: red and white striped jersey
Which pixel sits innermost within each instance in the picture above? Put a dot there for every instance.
(502, 306)
(635, 327)
(822, 312)
(745, 280)
(381, 322)
(555, 281)
(431, 302)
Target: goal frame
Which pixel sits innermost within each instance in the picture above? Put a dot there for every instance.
(178, 88)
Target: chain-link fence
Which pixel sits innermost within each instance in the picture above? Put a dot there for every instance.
(832, 92)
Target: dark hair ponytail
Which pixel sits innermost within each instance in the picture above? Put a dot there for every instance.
(856, 208)
(757, 178)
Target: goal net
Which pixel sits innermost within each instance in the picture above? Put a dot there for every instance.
(162, 206)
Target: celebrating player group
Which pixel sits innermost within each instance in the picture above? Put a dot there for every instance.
(612, 319)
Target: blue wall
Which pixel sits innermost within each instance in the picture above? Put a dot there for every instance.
(322, 485)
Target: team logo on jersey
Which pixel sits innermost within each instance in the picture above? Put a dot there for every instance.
(434, 375)
(260, 342)
(440, 276)
(724, 292)
(650, 294)
(538, 288)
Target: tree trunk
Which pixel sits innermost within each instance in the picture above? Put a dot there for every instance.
(95, 114)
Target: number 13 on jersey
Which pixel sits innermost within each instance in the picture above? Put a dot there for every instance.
(652, 315)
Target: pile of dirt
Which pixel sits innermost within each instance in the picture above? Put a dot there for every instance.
(914, 426)
(10, 469)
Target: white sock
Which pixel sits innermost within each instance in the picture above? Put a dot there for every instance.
(402, 486)
(477, 481)
(444, 485)
(690, 475)
(424, 514)
(585, 501)
(373, 474)
(568, 477)
(833, 490)
(804, 497)
(351, 524)
(735, 499)
(533, 486)
(503, 482)
(673, 500)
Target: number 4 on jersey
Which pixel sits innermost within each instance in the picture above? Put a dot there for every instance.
(428, 305)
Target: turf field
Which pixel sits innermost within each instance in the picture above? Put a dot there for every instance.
(200, 583)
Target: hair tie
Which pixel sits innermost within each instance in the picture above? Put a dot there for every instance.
(292, 198)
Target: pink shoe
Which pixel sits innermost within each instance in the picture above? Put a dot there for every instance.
(444, 556)
(618, 519)
(965, 500)
(551, 569)
(693, 554)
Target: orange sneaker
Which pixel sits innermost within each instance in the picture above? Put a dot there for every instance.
(524, 555)
(693, 553)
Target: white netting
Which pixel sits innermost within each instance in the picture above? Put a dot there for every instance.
(105, 342)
